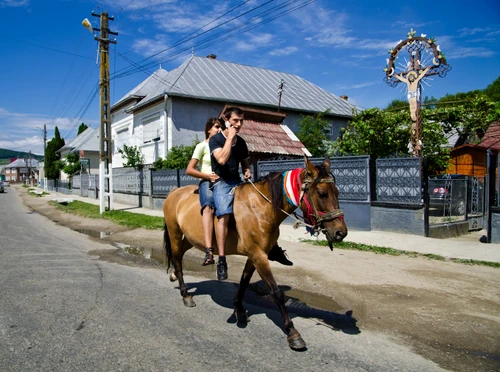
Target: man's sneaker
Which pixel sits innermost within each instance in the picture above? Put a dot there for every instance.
(277, 254)
(222, 269)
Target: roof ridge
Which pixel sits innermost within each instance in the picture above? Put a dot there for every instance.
(182, 72)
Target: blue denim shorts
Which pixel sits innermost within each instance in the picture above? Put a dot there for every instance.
(224, 196)
(206, 195)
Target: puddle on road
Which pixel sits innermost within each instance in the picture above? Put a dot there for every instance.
(93, 233)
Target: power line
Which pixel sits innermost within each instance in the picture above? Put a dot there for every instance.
(44, 47)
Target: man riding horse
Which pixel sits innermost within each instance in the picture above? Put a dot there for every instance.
(228, 151)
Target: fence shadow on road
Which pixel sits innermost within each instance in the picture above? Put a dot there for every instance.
(258, 301)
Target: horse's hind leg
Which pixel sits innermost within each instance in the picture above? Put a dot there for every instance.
(240, 311)
(182, 246)
(294, 338)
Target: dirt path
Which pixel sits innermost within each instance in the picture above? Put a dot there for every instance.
(446, 312)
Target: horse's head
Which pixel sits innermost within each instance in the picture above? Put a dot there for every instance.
(320, 201)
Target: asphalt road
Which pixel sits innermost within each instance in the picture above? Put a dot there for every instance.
(62, 309)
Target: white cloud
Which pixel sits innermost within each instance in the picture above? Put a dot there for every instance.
(244, 46)
(13, 3)
(261, 39)
(147, 47)
(19, 130)
(472, 31)
(358, 86)
(408, 24)
(465, 52)
(284, 51)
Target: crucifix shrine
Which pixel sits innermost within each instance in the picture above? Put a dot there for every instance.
(425, 60)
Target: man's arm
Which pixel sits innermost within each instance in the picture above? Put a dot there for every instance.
(245, 165)
(222, 154)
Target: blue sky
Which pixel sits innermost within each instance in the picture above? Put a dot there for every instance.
(49, 71)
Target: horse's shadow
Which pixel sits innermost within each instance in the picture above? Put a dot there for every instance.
(257, 300)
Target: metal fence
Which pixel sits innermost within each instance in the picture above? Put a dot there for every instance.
(399, 180)
(351, 173)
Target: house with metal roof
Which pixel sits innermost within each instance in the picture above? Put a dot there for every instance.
(87, 145)
(171, 108)
(20, 170)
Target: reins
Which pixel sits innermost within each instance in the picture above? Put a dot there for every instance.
(293, 215)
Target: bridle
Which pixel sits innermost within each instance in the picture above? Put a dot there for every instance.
(313, 219)
(313, 215)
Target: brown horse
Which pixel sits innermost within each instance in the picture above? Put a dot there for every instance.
(259, 209)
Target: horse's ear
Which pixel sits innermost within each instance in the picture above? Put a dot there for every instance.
(326, 163)
(311, 170)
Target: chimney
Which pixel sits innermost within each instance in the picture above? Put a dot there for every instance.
(345, 98)
(212, 56)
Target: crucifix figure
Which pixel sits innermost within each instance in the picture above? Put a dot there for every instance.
(412, 81)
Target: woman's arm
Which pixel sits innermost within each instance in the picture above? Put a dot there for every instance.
(192, 171)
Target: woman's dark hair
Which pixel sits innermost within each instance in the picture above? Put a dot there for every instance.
(210, 123)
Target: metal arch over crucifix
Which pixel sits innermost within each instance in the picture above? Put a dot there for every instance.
(425, 60)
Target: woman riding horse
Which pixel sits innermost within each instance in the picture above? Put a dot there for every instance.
(259, 209)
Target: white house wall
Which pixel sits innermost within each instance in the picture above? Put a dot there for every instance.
(120, 122)
(189, 117)
(151, 150)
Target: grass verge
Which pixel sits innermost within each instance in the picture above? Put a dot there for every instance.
(133, 220)
(396, 252)
(136, 220)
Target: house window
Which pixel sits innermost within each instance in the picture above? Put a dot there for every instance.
(120, 140)
(151, 128)
(329, 130)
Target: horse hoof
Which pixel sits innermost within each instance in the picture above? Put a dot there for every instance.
(188, 301)
(172, 277)
(242, 317)
(296, 342)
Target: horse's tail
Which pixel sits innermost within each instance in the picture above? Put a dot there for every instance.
(166, 245)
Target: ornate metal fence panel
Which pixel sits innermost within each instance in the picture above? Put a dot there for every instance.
(185, 180)
(399, 180)
(351, 173)
(128, 180)
(164, 181)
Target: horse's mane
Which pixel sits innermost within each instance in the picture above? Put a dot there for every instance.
(275, 182)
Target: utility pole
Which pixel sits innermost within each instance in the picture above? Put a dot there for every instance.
(105, 156)
(280, 92)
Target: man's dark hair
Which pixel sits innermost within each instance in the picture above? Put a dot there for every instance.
(231, 110)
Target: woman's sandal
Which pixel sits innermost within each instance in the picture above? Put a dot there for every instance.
(209, 257)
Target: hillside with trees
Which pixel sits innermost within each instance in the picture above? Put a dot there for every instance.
(6, 155)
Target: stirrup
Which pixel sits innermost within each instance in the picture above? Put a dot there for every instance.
(209, 257)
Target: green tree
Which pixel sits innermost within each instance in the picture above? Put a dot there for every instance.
(397, 104)
(82, 128)
(374, 132)
(52, 158)
(492, 91)
(311, 133)
(132, 156)
(72, 164)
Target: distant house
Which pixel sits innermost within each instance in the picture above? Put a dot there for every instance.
(21, 170)
(87, 145)
(171, 108)
(470, 159)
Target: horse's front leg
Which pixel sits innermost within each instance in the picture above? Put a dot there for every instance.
(240, 311)
(294, 338)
